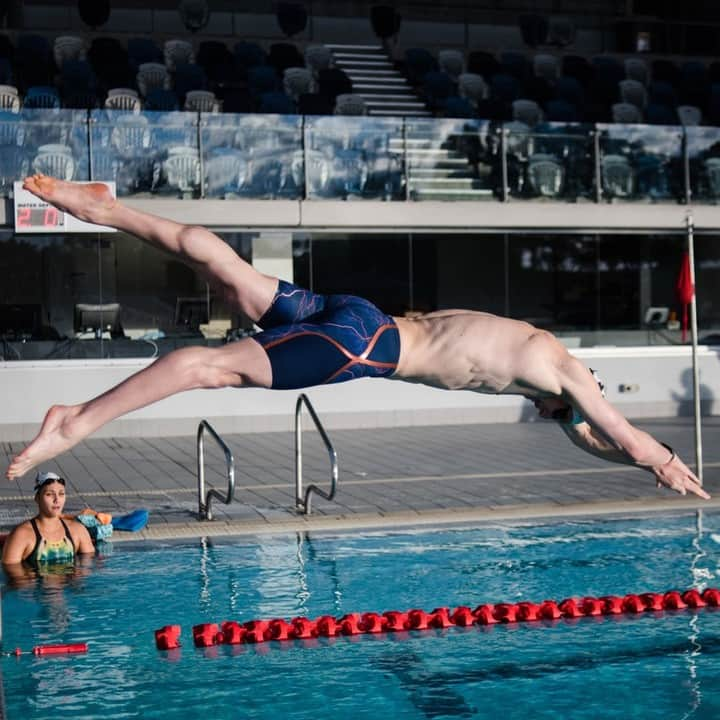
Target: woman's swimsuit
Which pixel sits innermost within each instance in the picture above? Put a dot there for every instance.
(45, 551)
(314, 339)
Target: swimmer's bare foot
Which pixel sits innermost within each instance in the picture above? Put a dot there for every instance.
(91, 202)
(54, 438)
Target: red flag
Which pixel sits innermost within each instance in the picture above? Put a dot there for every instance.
(684, 290)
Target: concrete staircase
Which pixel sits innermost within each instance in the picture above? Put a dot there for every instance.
(437, 171)
(385, 91)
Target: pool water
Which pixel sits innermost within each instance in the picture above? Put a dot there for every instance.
(654, 665)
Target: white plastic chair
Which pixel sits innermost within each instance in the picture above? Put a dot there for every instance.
(9, 98)
(131, 135)
(201, 101)
(151, 76)
(123, 99)
(547, 67)
(689, 115)
(636, 69)
(527, 111)
(296, 81)
(473, 87)
(68, 47)
(633, 92)
(225, 173)
(451, 62)
(177, 52)
(318, 57)
(617, 176)
(182, 169)
(626, 113)
(350, 104)
(56, 161)
(561, 31)
(545, 175)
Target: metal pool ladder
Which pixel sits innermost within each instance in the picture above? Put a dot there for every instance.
(303, 502)
(205, 498)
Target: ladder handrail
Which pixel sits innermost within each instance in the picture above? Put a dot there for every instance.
(204, 499)
(304, 503)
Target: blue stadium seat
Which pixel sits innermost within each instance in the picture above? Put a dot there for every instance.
(142, 50)
(571, 90)
(578, 67)
(285, 55)
(663, 93)
(162, 100)
(458, 107)
(483, 63)
(515, 64)
(189, 76)
(276, 103)
(437, 87)
(262, 79)
(248, 55)
(42, 96)
(561, 111)
(659, 114)
(418, 62)
(333, 82)
(504, 87)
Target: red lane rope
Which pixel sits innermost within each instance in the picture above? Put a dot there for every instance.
(258, 631)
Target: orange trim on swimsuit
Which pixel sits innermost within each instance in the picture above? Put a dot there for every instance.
(361, 359)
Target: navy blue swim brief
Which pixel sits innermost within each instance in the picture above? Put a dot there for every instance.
(314, 339)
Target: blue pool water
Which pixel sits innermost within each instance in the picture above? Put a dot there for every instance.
(655, 665)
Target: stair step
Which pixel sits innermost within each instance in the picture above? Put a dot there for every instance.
(432, 174)
(365, 64)
(340, 46)
(372, 81)
(360, 56)
(406, 113)
(401, 98)
(450, 194)
(382, 73)
(383, 90)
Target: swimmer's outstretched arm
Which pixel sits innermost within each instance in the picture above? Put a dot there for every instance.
(250, 291)
(607, 434)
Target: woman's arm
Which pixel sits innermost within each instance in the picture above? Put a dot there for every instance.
(81, 538)
(18, 545)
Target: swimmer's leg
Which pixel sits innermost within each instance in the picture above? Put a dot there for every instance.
(239, 364)
(241, 284)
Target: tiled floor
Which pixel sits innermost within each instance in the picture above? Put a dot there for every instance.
(388, 477)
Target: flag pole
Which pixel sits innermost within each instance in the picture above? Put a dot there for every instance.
(693, 336)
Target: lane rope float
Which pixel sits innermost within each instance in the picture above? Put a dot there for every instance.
(300, 628)
(60, 649)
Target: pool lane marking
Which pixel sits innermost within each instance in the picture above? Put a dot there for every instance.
(360, 481)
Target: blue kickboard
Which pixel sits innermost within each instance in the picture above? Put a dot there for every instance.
(132, 522)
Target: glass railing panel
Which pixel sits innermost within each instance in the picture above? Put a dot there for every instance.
(354, 157)
(53, 142)
(146, 153)
(551, 161)
(452, 159)
(641, 162)
(15, 161)
(703, 148)
(252, 156)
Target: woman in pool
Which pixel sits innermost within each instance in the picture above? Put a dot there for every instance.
(47, 539)
(310, 339)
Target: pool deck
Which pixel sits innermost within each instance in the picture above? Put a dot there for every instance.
(388, 478)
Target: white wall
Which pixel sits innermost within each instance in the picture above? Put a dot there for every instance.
(662, 377)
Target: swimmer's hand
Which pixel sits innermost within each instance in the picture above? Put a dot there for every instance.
(677, 476)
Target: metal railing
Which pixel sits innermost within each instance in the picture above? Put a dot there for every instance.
(204, 499)
(303, 502)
